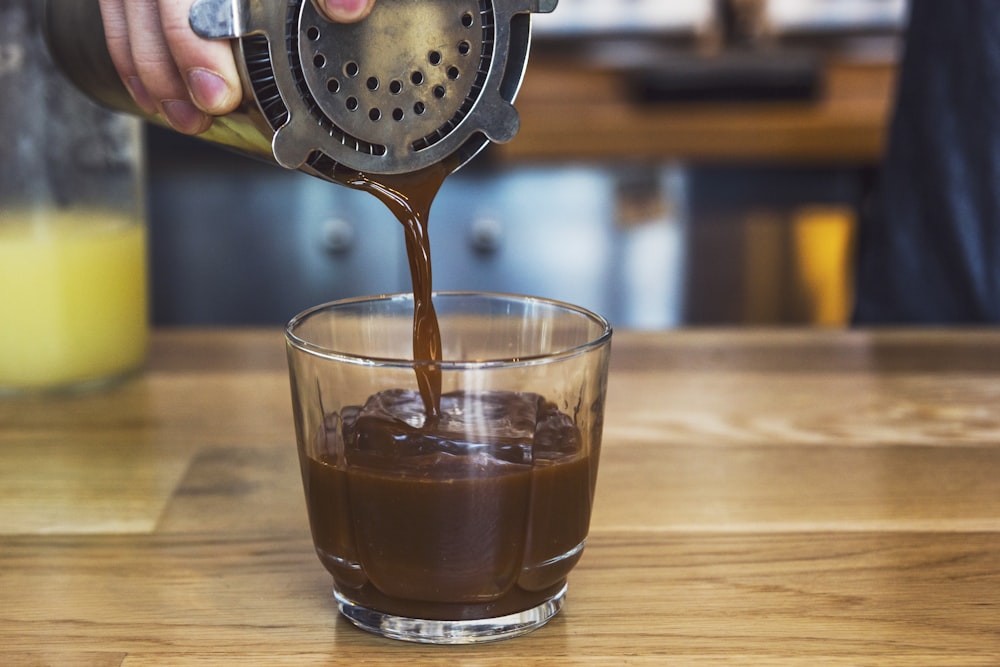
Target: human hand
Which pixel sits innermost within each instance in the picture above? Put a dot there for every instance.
(171, 71)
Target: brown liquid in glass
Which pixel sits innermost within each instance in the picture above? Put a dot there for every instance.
(417, 521)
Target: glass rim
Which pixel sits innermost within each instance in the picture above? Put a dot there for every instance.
(330, 354)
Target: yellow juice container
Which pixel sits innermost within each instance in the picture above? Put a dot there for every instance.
(73, 302)
(73, 298)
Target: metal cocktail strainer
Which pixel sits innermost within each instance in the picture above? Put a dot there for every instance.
(417, 83)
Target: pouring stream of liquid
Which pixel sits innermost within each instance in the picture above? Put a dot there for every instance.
(409, 197)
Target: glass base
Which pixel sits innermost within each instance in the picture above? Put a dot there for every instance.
(450, 632)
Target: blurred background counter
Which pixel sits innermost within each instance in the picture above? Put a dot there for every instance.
(680, 163)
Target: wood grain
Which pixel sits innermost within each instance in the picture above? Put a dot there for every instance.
(771, 497)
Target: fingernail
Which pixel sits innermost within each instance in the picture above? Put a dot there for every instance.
(140, 95)
(185, 117)
(210, 91)
(346, 10)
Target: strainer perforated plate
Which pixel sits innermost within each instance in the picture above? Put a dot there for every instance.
(416, 83)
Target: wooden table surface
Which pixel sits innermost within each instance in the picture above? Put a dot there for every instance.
(765, 497)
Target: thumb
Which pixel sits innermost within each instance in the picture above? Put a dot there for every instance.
(345, 11)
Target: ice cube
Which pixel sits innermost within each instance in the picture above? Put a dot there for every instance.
(392, 424)
(511, 427)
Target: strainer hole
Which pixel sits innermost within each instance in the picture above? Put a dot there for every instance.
(419, 108)
(351, 69)
(351, 103)
(312, 33)
(417, 78)
(395, 87)
(439, 92)
(468, 20)
(453, 73)
(464, 48)
(372, 83)
(434, 58)
(397, 114)
(333, 85)
(319, 60)
(375, 115)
